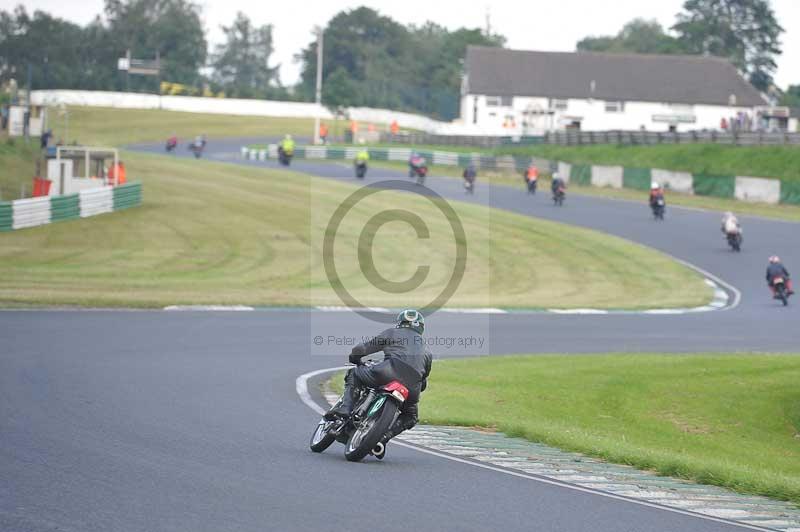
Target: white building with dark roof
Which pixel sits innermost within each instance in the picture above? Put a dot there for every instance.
(516, 92)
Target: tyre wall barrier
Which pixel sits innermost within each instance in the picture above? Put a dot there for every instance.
(438, 158)
(743, 188)
(32, 212)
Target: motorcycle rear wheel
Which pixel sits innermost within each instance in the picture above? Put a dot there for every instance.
(781, 291)
(372, 429)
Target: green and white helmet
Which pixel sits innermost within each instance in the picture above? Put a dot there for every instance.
(411, 318)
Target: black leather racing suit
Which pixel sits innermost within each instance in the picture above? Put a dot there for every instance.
(406, 359)
(776, 270)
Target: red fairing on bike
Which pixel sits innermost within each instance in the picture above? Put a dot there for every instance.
(397, 390)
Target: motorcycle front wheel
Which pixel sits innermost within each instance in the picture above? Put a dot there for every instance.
(321, 439)
(370, 432)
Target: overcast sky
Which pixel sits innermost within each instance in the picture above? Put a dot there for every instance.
(532, 25)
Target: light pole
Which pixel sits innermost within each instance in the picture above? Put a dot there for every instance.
(319, 31)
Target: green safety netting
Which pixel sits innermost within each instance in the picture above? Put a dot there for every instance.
(638, 178)
(720, 186)
(790, 192)
(580, 174)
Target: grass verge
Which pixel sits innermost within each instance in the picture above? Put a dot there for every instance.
(101, 126)
(214, 233)
(728, 420)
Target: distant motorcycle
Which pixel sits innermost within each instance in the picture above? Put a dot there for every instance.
(735, 241)
(374, 413)
(171, 144)
(417, 168)
(284, 156)
(196, 149)
(558, 196)
(361, 169)
(781, 292)
(420, 172)
(658, 206)
(532, 186)
(469, 187)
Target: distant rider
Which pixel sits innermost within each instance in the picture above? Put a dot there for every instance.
(776, 269)
(362, 158)
(406, 359)
(415, 161)
(469, 175)
(287, 145)
(557, 184)
(656, 193)
(730, 224)
(532, 178)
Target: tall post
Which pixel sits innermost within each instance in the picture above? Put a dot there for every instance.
(27, 125)
(319, 84)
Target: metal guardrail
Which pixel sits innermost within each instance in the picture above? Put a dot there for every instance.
(579, 138)
(743, 138)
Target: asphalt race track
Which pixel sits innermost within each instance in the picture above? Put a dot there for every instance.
(152, 420)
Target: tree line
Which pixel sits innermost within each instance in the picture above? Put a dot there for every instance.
(369, 59)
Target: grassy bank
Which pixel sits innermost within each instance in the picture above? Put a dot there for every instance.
(101, 126)
(17, 167)
(212, 233)
(729, 420)
(781, 162)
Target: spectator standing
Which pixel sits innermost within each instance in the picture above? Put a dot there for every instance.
(45, 139)
(323, 133)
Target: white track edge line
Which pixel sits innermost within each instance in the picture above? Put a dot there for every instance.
(301, 386)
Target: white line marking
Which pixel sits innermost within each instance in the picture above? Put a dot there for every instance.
(301, 386)
(578, 311)
(210, 308)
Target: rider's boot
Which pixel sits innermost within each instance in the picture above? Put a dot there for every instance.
(345, 407)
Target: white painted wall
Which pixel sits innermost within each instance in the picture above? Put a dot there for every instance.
(758, 189)
(592, 115)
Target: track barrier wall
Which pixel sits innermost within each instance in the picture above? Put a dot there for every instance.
(32, 212)
(744, 188)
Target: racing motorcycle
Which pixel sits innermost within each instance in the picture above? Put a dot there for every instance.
(417, 168)
(735, 240)
(197, 149)
(361, 169)
(284, 156)
(374, 412)
(781, 292)
(659, 206)
(171, 144)
(558, 196)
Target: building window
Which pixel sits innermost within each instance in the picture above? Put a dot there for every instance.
(615, 107)
(499, 101)
(559, 105)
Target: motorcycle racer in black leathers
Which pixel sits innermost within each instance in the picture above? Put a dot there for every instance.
(406, 359)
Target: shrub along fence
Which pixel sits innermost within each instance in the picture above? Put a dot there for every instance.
(745, 188)
(31, 212)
